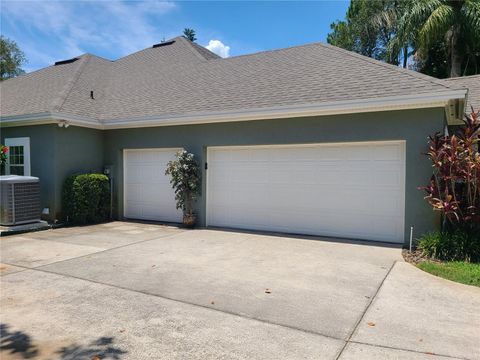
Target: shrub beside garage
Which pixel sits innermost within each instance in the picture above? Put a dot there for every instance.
(454, 191)
(86, 198)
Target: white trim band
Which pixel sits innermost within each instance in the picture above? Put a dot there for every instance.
(438, 99)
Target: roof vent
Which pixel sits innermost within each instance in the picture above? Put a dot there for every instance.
(165, 43)
(63, 62)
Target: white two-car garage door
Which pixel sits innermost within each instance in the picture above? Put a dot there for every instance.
(148, 194)
(352, 190)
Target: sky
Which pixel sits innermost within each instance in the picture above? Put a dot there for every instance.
(49, 31)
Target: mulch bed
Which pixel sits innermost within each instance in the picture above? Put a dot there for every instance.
(416, 256)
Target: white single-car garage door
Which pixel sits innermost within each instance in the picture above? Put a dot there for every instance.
(351, 190)
(148, 194)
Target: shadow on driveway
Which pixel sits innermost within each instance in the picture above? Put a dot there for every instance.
(308, 237)
(19, 344)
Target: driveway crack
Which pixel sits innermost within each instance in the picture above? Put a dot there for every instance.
(357, 324)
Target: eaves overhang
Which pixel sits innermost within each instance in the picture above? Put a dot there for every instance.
(415, 101)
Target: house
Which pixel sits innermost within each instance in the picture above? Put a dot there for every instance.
(310, 139)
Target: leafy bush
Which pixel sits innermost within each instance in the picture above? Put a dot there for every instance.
(86, 198)
(454, 191)
(452, 245)
(185, 180)
(454, 188)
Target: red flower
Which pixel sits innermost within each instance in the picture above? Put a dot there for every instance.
(5, 149)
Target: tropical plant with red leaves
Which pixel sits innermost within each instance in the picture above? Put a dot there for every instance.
(454, 188)
(3, 154)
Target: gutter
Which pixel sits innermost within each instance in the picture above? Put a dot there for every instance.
(418, 101)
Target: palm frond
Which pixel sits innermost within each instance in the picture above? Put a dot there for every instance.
(421, 11)
(385, 18)
(415, 15)
(471, 17)
(436, 25)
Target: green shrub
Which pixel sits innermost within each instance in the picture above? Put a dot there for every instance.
(452, 245)
(86, 198)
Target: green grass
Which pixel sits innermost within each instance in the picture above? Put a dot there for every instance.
(462, 272)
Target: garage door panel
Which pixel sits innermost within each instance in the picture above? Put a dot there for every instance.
(143, 174)
(335, 189)
(393, 178)
(148, 194)
(389, 152)
(386, 202)
(358, 178)
(360, 153)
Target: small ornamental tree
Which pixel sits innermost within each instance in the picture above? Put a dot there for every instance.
(454, 188)
(185, 180)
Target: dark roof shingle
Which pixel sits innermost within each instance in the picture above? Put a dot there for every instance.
(183, 78)
(472, 83)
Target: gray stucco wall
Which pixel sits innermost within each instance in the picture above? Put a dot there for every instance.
(410, 125)
(56, 153)
(42, 156)
(78, 150)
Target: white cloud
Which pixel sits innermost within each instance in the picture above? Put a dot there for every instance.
(218, 48)
(63, 29)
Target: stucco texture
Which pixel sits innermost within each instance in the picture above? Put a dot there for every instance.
(56, 153)
(413, 126)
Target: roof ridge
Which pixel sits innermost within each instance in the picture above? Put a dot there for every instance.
(197, 47)
(141, 50)
(96, 57)
(190, 46)
(58, 103)
(370, 60)
(461, 77)
(271, 50)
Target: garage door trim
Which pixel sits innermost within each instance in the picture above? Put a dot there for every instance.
(346, 143)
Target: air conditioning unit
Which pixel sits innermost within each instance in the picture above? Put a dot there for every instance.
(20, 199)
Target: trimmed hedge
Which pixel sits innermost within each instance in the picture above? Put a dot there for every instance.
(86, 198)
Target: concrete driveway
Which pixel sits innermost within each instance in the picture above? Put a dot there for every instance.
(128, 290)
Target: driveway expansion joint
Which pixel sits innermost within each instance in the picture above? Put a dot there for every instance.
(101, 251)
(407, 350)
(186, 303)
(346, 342)
(23, 268)
(370, 302)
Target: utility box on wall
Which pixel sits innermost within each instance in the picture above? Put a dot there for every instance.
(20, 200)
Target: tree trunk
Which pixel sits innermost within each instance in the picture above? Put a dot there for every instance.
(405, 56)
(455, 56)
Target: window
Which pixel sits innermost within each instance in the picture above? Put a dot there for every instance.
(18, 159)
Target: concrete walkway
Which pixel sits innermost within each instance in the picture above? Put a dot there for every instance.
(140, 291)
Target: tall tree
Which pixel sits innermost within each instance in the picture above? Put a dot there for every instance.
(434, 62)
(189, 34)
(387, 21)
(457, 22)
(360, 33)
(442, 35)
(11, 59)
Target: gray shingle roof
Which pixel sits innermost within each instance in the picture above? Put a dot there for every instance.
(183, 78)
(39, 91)
(472, 83)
